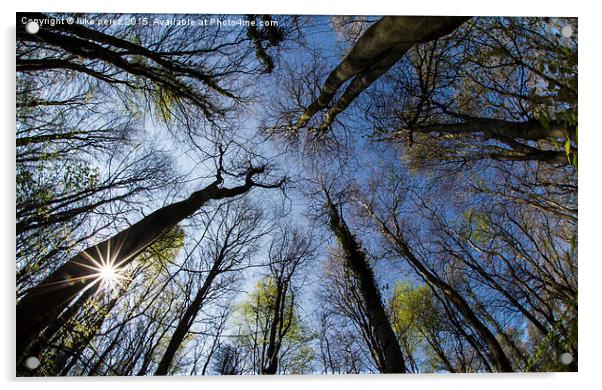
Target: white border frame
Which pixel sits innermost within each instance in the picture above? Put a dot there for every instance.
(589, 190)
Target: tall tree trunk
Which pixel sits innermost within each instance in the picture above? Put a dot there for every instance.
(500, 129)
(185, 323)
(358, 264)
(377, 50)
(274, 342)
(43, 304)
(501, 361)
(498, 355)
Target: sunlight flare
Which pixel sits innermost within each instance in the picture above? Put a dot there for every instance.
(108, 272)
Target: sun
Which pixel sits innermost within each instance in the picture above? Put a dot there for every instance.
(108, 274)
(106, 270)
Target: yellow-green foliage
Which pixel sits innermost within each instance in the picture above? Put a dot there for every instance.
(164, 249)
(259, 307)
(480, 226)
(412, 308)
(414, 316)
(254, 317)
(164, 101)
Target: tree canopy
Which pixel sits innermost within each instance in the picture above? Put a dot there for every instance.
(280, 194)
